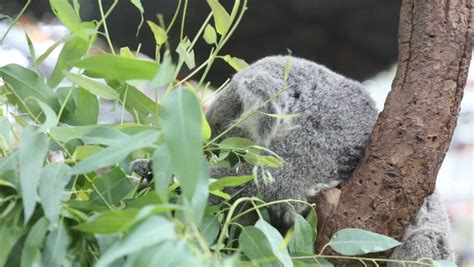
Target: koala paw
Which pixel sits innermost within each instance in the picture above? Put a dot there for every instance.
(142, 167)
(282, 215)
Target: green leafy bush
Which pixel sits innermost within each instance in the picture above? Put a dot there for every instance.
(86, 210)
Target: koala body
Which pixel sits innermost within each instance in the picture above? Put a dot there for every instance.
(321, 147)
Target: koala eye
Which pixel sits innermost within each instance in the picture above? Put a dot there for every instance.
(296, 94)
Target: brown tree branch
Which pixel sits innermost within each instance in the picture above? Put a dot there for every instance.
(412, 134)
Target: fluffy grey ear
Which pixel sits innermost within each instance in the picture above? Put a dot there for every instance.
(225, 109)
(247, 92)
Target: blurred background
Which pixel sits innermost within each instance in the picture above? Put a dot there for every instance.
(357, 38)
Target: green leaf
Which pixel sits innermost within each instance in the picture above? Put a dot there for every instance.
(221, 17)
(236, 143)
(51, 118)
(148, 233)
(158, 32)
(281, 116)
(169, 254)
(66, 14)
(31, 48)
(33, 149)
(181, 125)
(139, 6)
(206, 128)
(11, 231)
(312, 219)
(275, 239)
(85, 151)
(31, 253)
(316, 261)
(118, 68)
(26, 85)
(201, 194)
(137, 102)
(257, 248)
(87, 107)
(303, 236)
(48, 51)
(210, 35)
(185, 54)
(73, 50)
(263, 160)
(116, 152)
(101, 135)
(94, 87)
(352, 241)
(5, 127)
(165, 74)
(108, 222)
(113, 186)
(161, 166)
(65, 134)
(210, 227)
(54, 178)
(57, 242)
(236, 63)
(444, 263)
(229, 182)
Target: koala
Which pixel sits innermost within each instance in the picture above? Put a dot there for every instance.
(321, 147)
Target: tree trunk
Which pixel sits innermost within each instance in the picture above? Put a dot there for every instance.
(412, 134)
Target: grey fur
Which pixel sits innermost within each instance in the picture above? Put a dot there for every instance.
(321, 147)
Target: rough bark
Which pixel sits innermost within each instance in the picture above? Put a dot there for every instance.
(412, 134)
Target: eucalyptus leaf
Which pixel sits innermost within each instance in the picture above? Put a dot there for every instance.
(139, 6)
(235, 62)
(352, 241)
(73, 50)
(54, 178)
(55, 249)
(113, 186)
(257, 248)
(33, 149)
(165, 74)
(181, 125)
(27, 85)
(303, 236)
(94, 87)
(148, 233)
(66, 14)
(108, 222)
(210, 227)
(87, 107)
(162, 170)
(116, 152)
(50, 117)
(443, 263)
(158, 32)
(169, 254)
(275, 239)
(137, 103)
(221, 17)
(230, 181)
(31, 253)
(185, 54)
(118, 68)
(210, 35)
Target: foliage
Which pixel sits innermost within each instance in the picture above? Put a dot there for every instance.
(86, 210)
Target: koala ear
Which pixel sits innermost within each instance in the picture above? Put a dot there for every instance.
(225, 109)
(255, 89)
